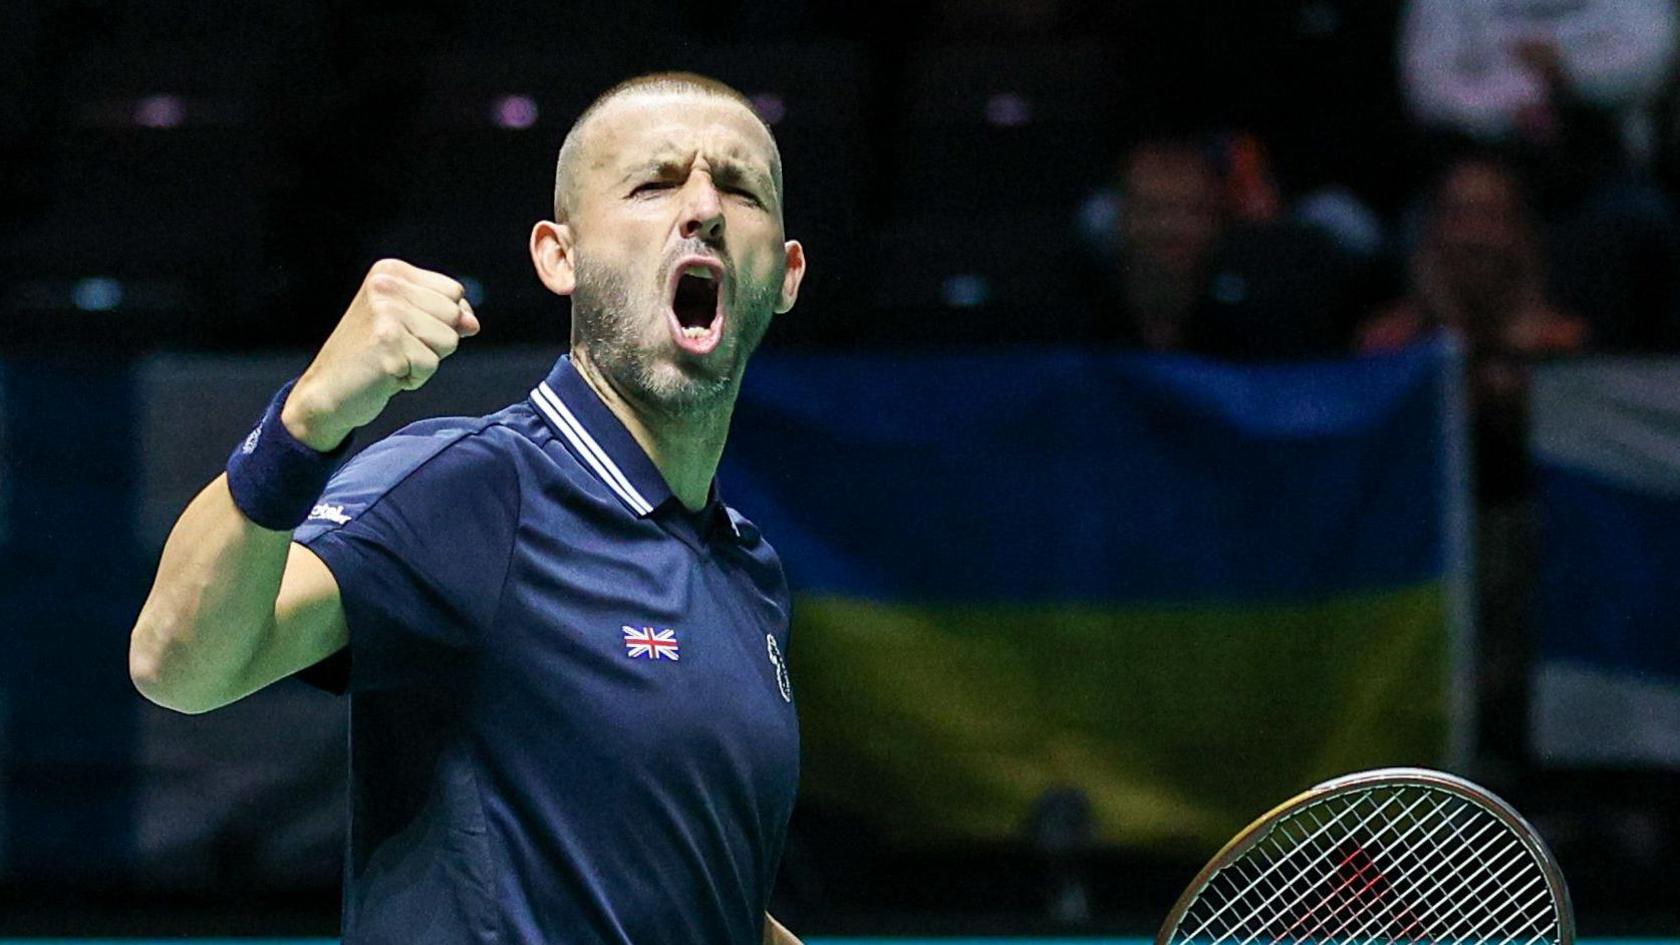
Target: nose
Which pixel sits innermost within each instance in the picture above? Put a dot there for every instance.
(702, 211)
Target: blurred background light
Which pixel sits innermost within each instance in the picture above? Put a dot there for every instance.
(160, 111)
(967, 290)
(515, 112)
(770, 107)
(97, 294)
(1008, 110)
(475, 290)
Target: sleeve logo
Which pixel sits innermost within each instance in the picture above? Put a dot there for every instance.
(326, 512)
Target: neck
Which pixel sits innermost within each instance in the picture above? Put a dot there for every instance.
(1158, 308)
(686, 448)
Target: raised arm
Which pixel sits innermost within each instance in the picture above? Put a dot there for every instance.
(235, 605)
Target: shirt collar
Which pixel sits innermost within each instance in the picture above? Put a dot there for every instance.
(577, 415)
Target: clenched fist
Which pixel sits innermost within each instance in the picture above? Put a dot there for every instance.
(403, 321)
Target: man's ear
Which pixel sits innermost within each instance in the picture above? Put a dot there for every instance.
(551, 254)
(791, 278)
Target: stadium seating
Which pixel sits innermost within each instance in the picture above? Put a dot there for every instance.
(1018, 129)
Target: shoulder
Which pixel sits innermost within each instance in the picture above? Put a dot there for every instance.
(1391, 329)
(1550, 331)
(449, 461)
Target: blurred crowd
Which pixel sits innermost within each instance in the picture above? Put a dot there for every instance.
(1296, 178)
(1289, 179)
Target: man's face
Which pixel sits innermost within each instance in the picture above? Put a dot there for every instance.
(1172, 211)
(679, 252)
(1478, 230)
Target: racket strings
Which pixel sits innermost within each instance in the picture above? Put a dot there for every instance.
(1440, 883)
(1343, 881)
(1279, 869)
(1380, 906)
(1367, 899)
(1356, 915)
(1399, 864)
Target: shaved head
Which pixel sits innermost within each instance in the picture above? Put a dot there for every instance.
(575, 151)
(669, 238)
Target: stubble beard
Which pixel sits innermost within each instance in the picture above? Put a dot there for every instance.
(606, 326)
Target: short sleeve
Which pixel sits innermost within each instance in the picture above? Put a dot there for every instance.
(418, 531)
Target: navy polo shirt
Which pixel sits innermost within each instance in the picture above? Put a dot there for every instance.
(570, 716)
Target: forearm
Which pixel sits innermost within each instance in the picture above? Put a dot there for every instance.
(230, 611)
(775, 933)
(211, 607)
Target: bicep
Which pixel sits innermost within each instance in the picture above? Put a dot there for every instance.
(308, 626)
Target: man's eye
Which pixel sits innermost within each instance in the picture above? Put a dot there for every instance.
(747, 194)
(652, 185)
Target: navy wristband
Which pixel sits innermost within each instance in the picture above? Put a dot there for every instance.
(275, 479)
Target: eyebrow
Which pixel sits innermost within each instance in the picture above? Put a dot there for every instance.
(728, 170)
(738, 172)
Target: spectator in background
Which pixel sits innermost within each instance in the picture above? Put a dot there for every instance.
(1191, 255)
(1495, 69)
(1569, 90)
(1172, 215)
(1478, 271)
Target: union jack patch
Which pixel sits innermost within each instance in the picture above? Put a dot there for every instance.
(652, 644)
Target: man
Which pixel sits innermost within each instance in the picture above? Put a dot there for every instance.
(1572, 93)
(1172, 219)
(1478, 270)
(570, 715)
(1178, 269)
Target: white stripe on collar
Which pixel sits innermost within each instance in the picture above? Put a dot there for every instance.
(555, 408)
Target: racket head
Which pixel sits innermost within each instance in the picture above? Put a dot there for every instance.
(1392, 855)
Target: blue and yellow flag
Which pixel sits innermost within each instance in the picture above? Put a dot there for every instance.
(1185, 589)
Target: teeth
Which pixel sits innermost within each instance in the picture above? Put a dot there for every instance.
(695, 331)
(699, 271)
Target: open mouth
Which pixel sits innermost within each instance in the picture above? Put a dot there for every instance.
(696, 293)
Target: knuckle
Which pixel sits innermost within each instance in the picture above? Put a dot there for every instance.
(388, 266)
(383, 307)
(383, 283)
(387, 330)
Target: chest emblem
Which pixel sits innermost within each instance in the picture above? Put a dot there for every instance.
(650, 643)
(780, 663)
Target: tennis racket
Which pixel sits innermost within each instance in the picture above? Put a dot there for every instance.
(1395, 855)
